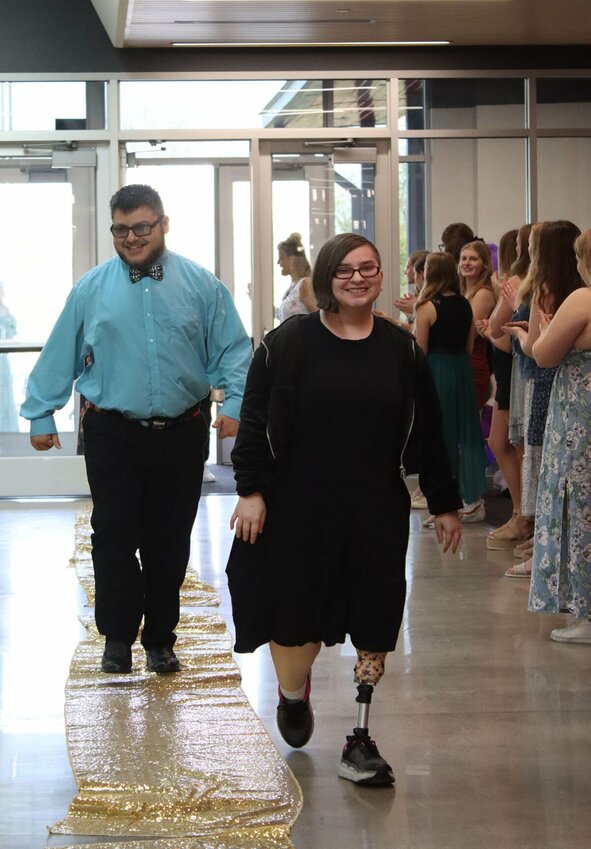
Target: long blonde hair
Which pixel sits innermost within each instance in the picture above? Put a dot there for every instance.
(526, 287)
(485, 279)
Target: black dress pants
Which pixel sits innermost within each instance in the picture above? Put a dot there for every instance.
(145, 486)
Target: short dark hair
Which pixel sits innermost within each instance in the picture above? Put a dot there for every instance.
(455, 236)
(131, 197)
(330, 256)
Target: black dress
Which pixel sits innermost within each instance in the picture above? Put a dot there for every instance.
(331, 559)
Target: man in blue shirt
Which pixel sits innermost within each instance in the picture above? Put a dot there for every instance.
(144, 335)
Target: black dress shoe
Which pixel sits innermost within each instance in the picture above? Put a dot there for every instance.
(116, 657)
(162, 660)
(295, 720)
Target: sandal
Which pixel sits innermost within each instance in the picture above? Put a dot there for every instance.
(523, 545)
(524, 550)
(520, 570)
(508, 536)
(496, 531)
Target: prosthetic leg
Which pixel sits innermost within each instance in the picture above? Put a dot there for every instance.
(361, 762)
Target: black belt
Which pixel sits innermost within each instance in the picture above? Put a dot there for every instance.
(156, 422)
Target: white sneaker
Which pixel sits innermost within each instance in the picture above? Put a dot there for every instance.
(474, 512)
(208, 477)
(578, 632)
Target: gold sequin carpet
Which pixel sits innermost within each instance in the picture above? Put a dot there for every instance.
(172, 756)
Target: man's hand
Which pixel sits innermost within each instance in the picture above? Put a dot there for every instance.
(449, 530)
(226, 426)
(45, 441)
(248, 517)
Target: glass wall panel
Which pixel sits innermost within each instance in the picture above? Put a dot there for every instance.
(52, 106)
(461, 104)
(243, 104)
(564, 103)
(478, 181)
(564, 180)
(412, 213)
(205, 189)
(39, 265)
(317, 196)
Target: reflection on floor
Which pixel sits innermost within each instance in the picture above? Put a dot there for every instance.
(486, 722)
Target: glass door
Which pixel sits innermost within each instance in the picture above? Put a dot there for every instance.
(49, 240)
(319, 189)
(205, 189)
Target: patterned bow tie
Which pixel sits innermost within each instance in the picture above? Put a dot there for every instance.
(154, 271)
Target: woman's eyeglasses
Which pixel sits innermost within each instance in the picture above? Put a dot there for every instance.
(345, 272)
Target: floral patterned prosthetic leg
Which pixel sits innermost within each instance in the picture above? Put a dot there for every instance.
(370, 667)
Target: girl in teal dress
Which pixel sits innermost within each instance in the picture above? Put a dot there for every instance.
(445, 330)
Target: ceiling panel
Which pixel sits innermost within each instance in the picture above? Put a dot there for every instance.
(162, 23)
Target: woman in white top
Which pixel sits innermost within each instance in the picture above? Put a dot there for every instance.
(299, 298)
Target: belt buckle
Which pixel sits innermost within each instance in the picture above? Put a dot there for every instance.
(159, 424)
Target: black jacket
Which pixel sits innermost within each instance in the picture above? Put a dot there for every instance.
(267, 414)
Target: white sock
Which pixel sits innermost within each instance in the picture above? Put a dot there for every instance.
(294, 695)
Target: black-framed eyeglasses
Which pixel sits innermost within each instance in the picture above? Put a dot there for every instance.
(345, 272)
(441, 247)
(142, 228)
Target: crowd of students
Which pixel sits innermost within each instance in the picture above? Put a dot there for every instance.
(524, 328)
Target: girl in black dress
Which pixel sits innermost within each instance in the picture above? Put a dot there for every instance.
(321, 471)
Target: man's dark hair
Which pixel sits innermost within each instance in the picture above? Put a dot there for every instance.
(131, 197)
(330, 256)
(455, 236)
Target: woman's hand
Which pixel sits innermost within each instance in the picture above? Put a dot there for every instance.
(449, 530)
(509, 291)
(517, 329)
(248, 518)
(482, 327)
(545, 319)
(406, 304)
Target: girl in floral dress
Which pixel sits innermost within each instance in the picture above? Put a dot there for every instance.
(561, 575)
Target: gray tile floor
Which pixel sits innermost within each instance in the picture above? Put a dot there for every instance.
(486, 722)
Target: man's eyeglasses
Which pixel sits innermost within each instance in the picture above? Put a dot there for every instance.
(121, 231)
(345, 272)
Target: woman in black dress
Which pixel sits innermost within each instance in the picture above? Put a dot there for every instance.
(333, 410)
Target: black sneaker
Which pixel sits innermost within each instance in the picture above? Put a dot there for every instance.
(116, 657)
(361, 762)
(295, 720)
(162, 660)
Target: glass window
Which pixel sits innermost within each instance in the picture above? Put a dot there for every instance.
(205, 189)
(564, 103)
(241, 104)
(52, 106)
(564, 181)
(32, 293)
(412, 202)
(328, 103)
(316, 196)
(461, 104)
(478, 181)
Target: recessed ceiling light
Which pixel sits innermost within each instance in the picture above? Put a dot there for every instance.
(310, 44)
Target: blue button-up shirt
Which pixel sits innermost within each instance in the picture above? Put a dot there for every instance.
(151, 348)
